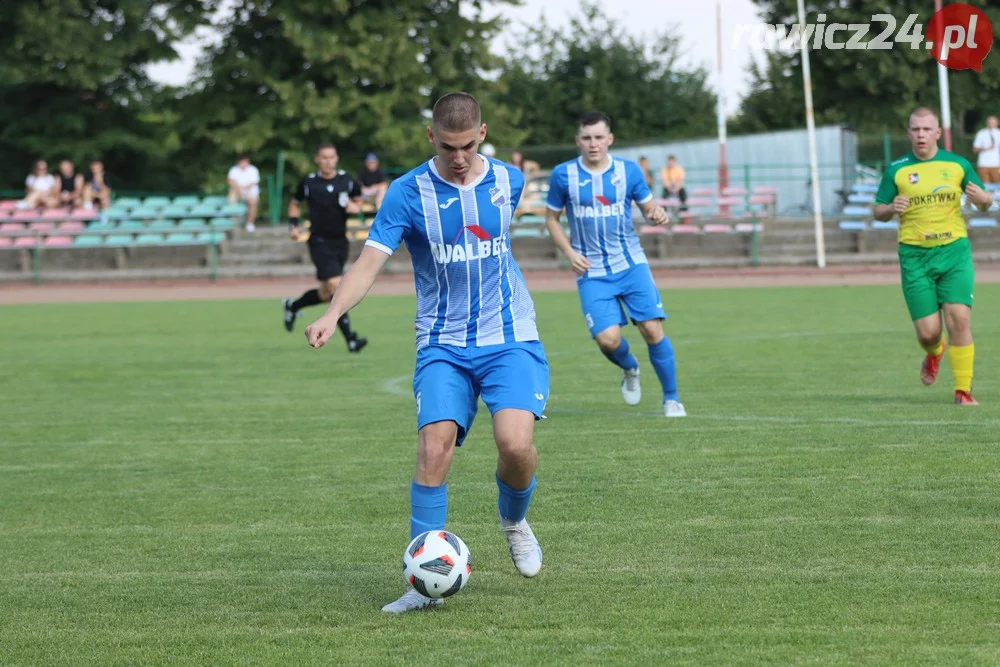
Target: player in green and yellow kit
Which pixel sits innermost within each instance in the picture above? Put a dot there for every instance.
(925, 188)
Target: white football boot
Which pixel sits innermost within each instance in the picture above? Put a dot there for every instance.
(411, 601)
(524, 548)
(631, 389)
(673, 408)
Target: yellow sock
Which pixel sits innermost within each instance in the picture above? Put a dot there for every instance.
(961, 358)
(936, 349)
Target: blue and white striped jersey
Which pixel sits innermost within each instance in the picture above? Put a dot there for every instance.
(470, 291)
(599, 208)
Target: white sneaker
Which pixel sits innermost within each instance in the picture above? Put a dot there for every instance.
(251, 227)
(524, 548)
(411, 601)
(631, 389)
(674, 409)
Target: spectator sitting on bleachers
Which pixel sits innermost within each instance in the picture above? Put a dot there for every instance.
(96, 187)
(647, 173)
(672, 178)
(70, 192)
(373, 181)
(244, 185)
(40, 188)
(527, 167)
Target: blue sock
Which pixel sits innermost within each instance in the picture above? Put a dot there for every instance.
(428, 508)
(513, 503)
(661, 356)
(622, 357)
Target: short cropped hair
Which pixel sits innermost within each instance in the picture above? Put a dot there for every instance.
(593, 118)
(924, 111)
(457, 112)
(324, 145)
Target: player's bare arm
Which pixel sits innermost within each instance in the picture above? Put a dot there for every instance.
(654, 213)
(577, 262)
(981, 198)
(294, 211)
(884, 212)
(352, 289)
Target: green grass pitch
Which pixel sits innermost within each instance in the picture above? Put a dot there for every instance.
(185, 483)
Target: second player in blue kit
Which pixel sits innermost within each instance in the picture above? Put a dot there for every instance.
(597, 191)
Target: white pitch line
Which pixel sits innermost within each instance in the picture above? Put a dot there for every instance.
(394, 386)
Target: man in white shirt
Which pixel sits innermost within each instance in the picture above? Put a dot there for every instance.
(244, 185)
(40, 190)
(987, 148)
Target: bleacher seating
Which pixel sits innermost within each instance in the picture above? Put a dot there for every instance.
(158, 220)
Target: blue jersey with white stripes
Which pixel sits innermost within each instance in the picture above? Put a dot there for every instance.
(599, 209)
(470, 291)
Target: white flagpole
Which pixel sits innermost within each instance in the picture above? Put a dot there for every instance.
(811, 127)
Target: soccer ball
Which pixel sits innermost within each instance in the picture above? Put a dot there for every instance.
(437, 564)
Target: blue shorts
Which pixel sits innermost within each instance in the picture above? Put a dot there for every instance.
(604, 299)
(448, 381)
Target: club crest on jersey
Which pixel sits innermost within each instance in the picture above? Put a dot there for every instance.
(496, 197)
(616, 180)
(343, 199)
(329, 188)
(914, 178)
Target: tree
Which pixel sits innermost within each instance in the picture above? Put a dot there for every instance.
(873, 89)
(74, 84)
(289, 74)
(594, 65)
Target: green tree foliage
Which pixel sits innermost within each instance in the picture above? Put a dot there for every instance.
(873, 90)
(288, 74)
(73, 83)
(594, 65)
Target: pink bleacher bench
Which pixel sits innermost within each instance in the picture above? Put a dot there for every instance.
(748, 227)
(12, 227)
(764, 190)
(730, 201)
(717, 228)
(734, 192)
(672, 202)
(24, 214)
(685, 229)
(70, 226)
(6, 241)
(58, 241)
(761, 199)
(695, 202)
(26, 241)
(8, 204)
(41, 227)
(703, 192)
(654, 229)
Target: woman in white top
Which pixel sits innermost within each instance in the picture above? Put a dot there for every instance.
(244, 184)
(987, 148)
(40, 188)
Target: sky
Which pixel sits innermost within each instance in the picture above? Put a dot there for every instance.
(694, 21)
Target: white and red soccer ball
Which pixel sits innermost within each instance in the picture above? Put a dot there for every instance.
(437, 564)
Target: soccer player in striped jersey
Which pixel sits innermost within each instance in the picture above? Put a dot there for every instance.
(597, 191)
(475, 322)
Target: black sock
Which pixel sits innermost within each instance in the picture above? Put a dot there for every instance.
(310, 298)
(344, 323)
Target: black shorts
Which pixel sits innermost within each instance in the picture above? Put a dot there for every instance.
(329, 256)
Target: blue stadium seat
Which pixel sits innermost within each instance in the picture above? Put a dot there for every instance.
(214, 201)
(239, 208)
(149, 239)
(204, 210)
(156, 202)
(180, 238)
(192, 223)
(222, 223)
(853, 225)
(983, 222)
(187, 201)
(88, 240)
(131, 225)
(888, 224)
(865, 198)
(144, 213)
(865, 187)
(118, 240)
(173, 211)
(126, 203)
(857, 210)
(211, 237)
(162, 224)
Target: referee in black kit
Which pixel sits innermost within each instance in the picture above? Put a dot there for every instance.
(332, 195)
